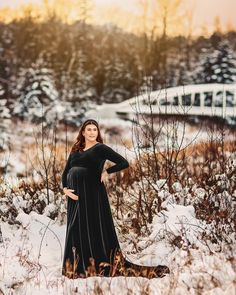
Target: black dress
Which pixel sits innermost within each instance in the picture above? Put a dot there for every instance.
(90, 231)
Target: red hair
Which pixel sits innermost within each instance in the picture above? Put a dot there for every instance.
(79, 145)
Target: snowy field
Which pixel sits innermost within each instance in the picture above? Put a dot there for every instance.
(31, 258)
(31, 248)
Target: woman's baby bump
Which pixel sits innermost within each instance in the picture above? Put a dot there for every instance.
(78, 171)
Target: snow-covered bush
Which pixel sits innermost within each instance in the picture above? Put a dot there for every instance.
(30, 197)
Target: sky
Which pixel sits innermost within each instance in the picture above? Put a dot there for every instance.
(126, 13)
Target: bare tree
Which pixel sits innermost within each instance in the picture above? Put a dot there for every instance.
(159, 149)
(45, 162)
(168, 14)
(71, 10)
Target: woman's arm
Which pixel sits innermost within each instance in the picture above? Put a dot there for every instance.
(67, 191)
(107, 153)
(64, 174)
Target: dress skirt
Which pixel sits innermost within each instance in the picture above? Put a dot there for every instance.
(90, 231)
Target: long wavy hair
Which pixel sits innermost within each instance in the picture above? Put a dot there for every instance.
(79, 145)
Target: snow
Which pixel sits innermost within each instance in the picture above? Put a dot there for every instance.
(32, 247)
(4, 110)
(18, 202)
(178, 221)
(31, 258)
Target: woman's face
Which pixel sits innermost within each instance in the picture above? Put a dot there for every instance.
(90, 133)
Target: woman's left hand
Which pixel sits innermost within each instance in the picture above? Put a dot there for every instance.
(104, 175)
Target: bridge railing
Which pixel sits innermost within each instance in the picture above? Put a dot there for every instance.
(217, 102)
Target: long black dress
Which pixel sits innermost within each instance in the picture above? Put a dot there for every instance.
(90, 231)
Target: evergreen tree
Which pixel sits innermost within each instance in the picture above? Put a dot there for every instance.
(35, 92)
(115, 80)
(217, 66)
(4, 125)
(83, 88)
(224, 67)
(6, 60)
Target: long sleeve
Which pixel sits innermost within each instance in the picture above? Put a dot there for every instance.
(107, 153)
(64, 174)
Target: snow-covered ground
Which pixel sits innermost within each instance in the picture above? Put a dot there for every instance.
(31, 248)
(31, 258)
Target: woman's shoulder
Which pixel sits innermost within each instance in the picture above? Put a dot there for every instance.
(102, 147)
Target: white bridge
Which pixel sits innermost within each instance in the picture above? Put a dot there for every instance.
(195, 100)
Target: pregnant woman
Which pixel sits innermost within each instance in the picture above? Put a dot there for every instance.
(91, 243)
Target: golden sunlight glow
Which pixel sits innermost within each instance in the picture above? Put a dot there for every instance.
(183, 17)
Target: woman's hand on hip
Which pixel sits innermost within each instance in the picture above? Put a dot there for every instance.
(104, 175)
(68, 192)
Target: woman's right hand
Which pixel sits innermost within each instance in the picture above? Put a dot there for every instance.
(68, 192)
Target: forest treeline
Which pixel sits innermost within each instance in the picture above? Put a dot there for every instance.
(74, 62)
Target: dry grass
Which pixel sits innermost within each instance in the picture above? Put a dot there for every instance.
(118, 267)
